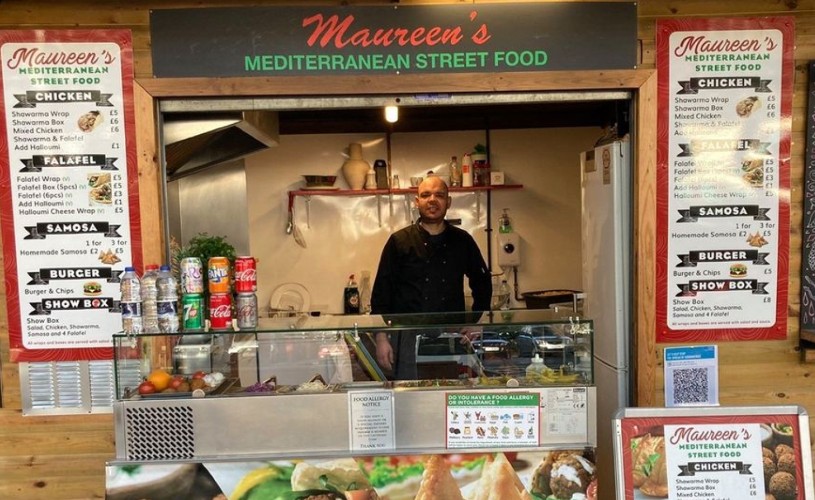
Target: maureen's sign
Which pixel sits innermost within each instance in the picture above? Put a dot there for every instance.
(314, 40)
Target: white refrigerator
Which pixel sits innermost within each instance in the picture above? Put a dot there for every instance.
(606, 253)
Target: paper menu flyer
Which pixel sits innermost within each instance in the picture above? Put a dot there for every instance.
(66, 111)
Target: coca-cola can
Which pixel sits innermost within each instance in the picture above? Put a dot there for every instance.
(246, 275)
(192, 276)
(218, 274)
(246, 309)
(220, 311)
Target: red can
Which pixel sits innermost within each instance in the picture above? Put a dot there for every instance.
(246, 275)
(218, 275)
(220, 311)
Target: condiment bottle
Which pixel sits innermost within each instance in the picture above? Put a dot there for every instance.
(467, 171)
(370, 182)
(504, 223)
(455, 172)
(536, 368)
(351, 297)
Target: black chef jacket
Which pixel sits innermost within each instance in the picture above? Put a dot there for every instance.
(423, 273)
(419, 273)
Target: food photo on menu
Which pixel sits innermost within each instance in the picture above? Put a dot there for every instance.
(649, 473)
(555, 475)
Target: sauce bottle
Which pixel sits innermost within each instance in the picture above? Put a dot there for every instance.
(467, 170)
(351, 297)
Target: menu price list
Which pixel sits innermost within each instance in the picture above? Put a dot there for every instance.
(64, 115)
(723, 179)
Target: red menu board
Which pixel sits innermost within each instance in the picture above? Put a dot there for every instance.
(68, 189)
(724, 454)
(723, 157)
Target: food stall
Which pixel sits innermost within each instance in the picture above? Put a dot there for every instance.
(243, 419)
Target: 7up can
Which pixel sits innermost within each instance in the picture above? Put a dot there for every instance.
(193, 311)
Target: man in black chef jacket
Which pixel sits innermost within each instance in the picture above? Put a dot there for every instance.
(422, 270)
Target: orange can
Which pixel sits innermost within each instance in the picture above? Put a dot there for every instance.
(218, 275)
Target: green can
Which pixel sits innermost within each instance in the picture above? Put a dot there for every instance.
(193, 310)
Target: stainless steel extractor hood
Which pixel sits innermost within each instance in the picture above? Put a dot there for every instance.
(195, 141)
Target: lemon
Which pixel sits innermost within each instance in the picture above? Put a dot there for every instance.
(253, 479)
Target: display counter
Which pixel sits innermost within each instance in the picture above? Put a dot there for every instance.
(309, 387)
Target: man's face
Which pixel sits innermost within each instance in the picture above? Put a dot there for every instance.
(432, 199)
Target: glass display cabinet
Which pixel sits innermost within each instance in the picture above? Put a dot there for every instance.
(289, 388)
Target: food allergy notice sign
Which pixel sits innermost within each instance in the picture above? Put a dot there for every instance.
(725, 98)
(69, 197)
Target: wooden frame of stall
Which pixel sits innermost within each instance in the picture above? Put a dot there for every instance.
(642, 83)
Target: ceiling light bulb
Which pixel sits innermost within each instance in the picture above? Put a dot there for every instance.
(391, 114)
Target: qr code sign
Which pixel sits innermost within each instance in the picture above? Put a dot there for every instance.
(690, 385)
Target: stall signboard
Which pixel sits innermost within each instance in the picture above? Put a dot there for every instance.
(69, 194)
(717, 453)
(723, 180)
(393, 39)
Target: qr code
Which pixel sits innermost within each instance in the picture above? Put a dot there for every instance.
(690, 385)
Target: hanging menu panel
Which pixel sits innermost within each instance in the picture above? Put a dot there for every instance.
(70, 194)
(723, 178)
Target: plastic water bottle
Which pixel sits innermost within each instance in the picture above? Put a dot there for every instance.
(167, 301)
(504, 293)
(149, 297)
(455, 172)
(131, 302)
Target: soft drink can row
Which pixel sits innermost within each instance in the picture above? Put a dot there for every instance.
(192, 275)
(220, 311)
(246, 280)
(193, 312)
(246, 309)
(218, 275)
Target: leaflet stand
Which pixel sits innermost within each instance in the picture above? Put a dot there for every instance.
(714, 452)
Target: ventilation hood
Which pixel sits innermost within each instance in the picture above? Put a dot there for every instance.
(195, 141)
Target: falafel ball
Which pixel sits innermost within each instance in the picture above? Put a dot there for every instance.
(769, 469)
(769, 497)
(782, 486)
(768, 453)
(782, 449)
(786, 463)
(571, 474)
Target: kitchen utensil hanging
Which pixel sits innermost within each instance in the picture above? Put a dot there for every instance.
(292, 226)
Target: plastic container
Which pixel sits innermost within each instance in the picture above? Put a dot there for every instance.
(167, 301)
(536, 368)
(365, 293)
(131, 302)
(149, 297)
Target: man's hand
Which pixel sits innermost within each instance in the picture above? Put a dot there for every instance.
(470, 333)
(384, 351)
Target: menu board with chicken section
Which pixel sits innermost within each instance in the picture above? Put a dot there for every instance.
(728, 454)
(725, 90)
(70, 195)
